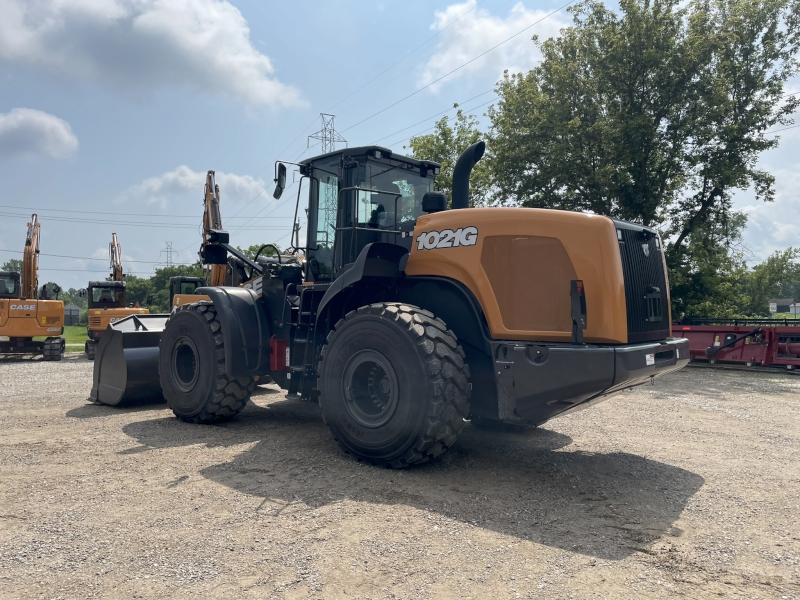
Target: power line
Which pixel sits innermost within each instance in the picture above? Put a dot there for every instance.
(441, 113)
(394, 64)
(482, 54)
(98, 212)
(117, 223)
(149, 262)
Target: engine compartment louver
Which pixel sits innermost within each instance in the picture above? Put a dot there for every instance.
(646, 293)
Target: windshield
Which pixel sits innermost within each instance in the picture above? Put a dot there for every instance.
(108, 295)
(8, 285)
(402, 202)
(188, 287)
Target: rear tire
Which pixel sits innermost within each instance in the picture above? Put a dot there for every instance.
(394, 385)
(90, 349)
(191, 367)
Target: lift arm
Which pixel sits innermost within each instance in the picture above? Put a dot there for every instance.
(212, 221)
(30, 260)
(115, 258)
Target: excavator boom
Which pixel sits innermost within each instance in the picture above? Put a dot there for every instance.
(115, 258)
(212, 220)
(30, 260)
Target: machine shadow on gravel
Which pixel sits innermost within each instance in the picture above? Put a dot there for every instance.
(524, 483)
(91, 410)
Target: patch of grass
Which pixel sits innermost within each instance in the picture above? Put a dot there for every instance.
(75, 334)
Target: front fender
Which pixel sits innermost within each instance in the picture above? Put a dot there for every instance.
(377, 261)
(245, 329)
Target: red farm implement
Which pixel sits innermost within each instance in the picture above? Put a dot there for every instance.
(750, 342)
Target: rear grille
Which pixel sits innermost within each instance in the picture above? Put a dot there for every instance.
(645, 283)
(94, 322)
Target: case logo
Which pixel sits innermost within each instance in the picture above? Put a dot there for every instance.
(22, 307)
(447, 238)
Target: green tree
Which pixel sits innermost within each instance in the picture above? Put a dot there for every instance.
(12, 265)
(776, 277)
(159, 284)
(709, 280)
(656, 114)
(251, 251)
(445, 145)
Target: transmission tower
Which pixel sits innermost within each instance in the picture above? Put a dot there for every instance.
(327, 135)
(169, 252)
(329, 198)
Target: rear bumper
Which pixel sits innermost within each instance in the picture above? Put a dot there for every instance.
(536, 382)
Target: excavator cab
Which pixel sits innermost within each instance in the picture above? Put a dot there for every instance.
(184, 286)
(9, 284)
(106, 294)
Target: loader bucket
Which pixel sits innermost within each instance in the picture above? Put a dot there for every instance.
(126, 362)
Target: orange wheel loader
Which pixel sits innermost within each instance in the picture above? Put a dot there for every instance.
(408, 318)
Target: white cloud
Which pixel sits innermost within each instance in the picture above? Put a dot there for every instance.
(775, 225)
(200, 45)
(478, 30)
(28, 132)
(183, 181)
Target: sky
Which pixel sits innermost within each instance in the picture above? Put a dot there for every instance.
(112, 111)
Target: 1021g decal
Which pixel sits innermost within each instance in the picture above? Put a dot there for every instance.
(447, 238)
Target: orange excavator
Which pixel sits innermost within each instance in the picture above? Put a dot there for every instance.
(24, 314)
(107, 300)
(220, 268)
(182, 289)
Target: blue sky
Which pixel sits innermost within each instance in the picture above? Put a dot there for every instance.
(117, 108)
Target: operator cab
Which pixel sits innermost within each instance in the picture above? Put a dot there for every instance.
(9, 284)
(356, 197)
(184, 286)
(106, 294)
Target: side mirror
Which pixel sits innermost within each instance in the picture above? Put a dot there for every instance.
(433, 202)
(83, 293)
(149, 300)
(280, 181)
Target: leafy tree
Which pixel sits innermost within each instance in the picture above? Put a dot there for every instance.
(709, 279)
(251, 251)
(655, 114)
(12, 265)
(159, 284)
(776, 277)
(445, 145)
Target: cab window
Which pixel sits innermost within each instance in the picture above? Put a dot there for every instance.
(8, 285)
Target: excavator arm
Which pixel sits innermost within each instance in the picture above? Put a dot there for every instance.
(212, 221)
(30, 260)
(115, 258)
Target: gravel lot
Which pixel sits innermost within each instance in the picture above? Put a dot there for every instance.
(689, 488)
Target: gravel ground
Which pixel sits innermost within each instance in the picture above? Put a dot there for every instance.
(689, 488)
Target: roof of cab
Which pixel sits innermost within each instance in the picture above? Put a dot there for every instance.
(362, 150)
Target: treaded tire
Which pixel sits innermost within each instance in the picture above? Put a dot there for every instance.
(90, 349)
(54, 348)
(424, 370)
(191, 367)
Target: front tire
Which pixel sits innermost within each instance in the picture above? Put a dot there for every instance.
(394, 385)
(191, 367)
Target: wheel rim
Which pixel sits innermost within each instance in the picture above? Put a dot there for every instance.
(184, 364)
(370, 389)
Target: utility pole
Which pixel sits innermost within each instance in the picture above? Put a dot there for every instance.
(168, 251)
(329, 198)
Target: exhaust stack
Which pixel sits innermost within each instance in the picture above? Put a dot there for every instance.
(463, 168)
